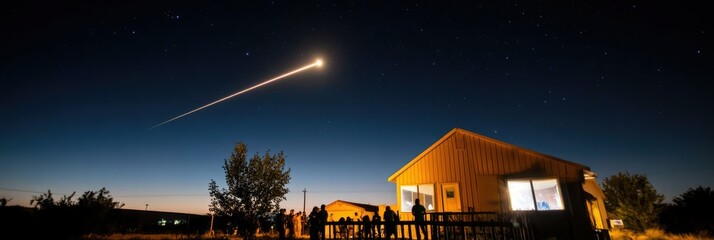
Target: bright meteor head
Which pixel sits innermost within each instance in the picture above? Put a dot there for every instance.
(317, 63)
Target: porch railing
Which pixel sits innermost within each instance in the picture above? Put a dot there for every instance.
(446, 226)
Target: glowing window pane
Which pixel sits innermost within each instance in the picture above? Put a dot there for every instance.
(424, 192)
(521, 195)
(409, 193)
(426, 196)
(547, 194)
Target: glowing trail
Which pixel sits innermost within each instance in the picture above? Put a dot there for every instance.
(317, 63)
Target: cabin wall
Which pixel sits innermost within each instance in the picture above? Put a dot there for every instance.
(481, 167)
(475, 164)
(597, 208)
(337, 210)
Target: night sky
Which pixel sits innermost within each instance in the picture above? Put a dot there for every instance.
(614, 85)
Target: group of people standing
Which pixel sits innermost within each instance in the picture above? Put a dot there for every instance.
(370, 227)
(290, 226)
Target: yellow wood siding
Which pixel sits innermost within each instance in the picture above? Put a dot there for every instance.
(462, 156)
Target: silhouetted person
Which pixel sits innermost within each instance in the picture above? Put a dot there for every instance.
(419, 213)
(323, 221)
(390, 223)
(297, 223)
(280, 224)
(366, 227)
(342, 228)
(350, 228)
(313, 222)
(305, 226)
(290, 224)
(355, 227)
(377, 225)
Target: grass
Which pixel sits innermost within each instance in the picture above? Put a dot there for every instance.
(157, 237)
(615, 234)
(654, 234)
(176, 237)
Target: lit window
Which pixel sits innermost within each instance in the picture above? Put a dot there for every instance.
(541, 195)
(424, 192)
(521, 195)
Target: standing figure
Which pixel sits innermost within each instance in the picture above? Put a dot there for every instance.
(323, 221)
(366, 231)
(305, 224)
(419, 213)
(280, 224)
(297, 223)
(377, 225)
(350, 227)
(290, 224)
(313, 222)
(390, 223)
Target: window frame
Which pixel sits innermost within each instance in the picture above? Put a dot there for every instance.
(404, 207)
(557, 197)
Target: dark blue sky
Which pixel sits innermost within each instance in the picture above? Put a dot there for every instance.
(617, 86)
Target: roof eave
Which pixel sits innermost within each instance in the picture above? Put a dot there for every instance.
(393, 177)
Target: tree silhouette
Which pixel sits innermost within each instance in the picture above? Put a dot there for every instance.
(255, 189)
(4, 201)
(69, 219)
(691, 212)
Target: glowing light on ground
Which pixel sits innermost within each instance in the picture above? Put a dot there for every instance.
(317, 63)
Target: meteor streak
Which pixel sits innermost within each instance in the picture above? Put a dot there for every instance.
(317, 63)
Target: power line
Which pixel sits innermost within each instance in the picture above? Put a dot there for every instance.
(353, 191)
(122, 196)
(162, 195)
(18, 190)
(29, 191)
(325, 191)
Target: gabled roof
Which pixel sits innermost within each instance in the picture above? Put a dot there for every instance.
(482, 137)
(365, 207)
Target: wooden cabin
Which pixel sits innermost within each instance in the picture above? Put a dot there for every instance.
(340, 208)
(344, 209)
(467, 172)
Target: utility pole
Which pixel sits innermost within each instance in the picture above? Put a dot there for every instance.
(211, 230)
(304, 196)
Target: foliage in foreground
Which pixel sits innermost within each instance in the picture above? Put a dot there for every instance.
(172, 237)
(68, 218)
(155, 237)
(633, 199)
(654, 234)
(255, 189)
